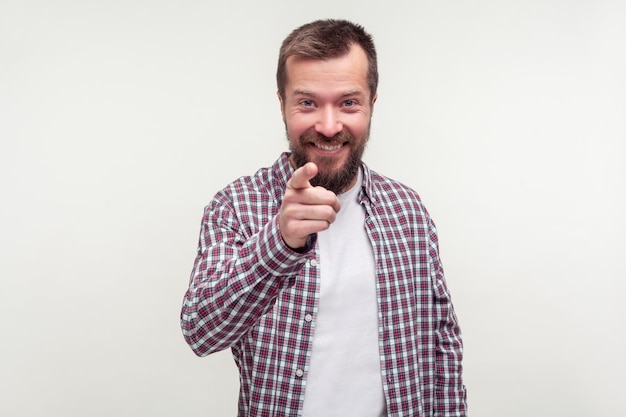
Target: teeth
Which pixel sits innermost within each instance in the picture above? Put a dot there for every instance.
(328, 147)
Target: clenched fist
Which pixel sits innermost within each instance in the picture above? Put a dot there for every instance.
(305, 209)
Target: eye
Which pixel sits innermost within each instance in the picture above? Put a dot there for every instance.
(306, 103)
(349, 103)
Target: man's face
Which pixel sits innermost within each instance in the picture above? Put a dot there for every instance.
(327, 112)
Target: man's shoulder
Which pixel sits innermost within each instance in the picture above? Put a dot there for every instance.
(388, 190)
(266, 183)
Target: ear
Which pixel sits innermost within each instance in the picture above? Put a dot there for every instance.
(282, 104)
(372, 103)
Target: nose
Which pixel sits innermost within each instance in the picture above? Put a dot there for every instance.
(328, 123)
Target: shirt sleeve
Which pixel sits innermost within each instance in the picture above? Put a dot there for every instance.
(450, 394)
(236, 278)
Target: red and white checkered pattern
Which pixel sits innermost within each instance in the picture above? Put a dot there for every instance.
(250, 292)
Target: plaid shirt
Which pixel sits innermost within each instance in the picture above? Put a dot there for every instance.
(251, 293)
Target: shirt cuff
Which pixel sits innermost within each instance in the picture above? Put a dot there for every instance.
(276, 256)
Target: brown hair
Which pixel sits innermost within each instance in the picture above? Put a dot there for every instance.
(324, 39)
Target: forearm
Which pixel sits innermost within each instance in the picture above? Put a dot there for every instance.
(450, 391)
(236, 279)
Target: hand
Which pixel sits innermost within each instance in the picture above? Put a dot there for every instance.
(305, 209)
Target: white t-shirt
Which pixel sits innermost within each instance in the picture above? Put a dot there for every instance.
(344, 377)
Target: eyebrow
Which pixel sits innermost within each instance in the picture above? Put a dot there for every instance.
(355, 92)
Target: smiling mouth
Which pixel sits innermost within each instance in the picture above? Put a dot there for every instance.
(328, 147)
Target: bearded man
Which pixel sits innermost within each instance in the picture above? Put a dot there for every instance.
(321, 275)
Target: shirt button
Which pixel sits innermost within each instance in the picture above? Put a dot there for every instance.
(308, 317)
(299, 373)
(312, 262)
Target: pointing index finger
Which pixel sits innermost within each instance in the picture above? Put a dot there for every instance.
(300, 178)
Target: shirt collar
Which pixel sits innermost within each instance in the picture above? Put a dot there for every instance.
(367, 194)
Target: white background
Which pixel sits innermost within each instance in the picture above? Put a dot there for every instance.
(120, 119)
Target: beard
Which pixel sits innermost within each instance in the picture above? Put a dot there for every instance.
(335, 180)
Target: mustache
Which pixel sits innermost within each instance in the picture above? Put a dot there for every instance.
(340, 137)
